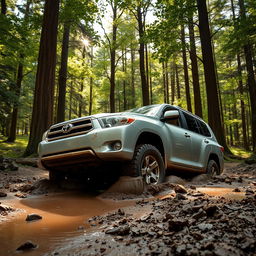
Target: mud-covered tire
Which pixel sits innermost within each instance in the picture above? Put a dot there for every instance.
(147, 162)
(212, 168)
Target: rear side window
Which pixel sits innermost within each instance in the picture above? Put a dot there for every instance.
(191, 123)
(204, 129)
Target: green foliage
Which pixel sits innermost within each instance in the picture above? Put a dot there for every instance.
(13, 150)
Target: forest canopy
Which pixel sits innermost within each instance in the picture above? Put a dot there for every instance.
(66, 59)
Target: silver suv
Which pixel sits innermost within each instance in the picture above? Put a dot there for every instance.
(146, 141)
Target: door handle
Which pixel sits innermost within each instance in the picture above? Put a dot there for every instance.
(187, 135)
(206, 141)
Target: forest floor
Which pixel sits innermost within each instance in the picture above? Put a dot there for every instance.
(198, 216)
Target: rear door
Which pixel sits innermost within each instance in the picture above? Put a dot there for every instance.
(199, 140)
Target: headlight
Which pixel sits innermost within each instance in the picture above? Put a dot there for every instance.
(45, 135)
(113, 121)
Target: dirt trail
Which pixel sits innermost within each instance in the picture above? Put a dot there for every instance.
(200, 217)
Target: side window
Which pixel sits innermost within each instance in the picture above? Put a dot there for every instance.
(204, 129)
(191, 123)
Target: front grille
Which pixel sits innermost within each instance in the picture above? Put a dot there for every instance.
(69, 129)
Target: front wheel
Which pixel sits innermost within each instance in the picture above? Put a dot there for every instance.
(148, 163)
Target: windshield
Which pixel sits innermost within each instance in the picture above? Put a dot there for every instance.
(150, 110)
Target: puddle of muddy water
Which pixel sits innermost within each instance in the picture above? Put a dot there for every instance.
(62, 215)
(227, 193)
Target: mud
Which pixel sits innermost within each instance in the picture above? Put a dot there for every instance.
(184, 216)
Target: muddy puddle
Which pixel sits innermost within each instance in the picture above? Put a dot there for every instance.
(227, 193)
(64, 216)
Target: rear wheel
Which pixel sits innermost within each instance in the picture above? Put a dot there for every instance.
(148, 163)
(212, 168)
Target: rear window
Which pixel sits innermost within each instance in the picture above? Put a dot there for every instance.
(191, 123)
(204, 129)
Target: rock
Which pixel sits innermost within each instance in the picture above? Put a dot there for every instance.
(177, 224)
(236, 190)
(5, 208)
(211, 209)
(33, 216)
(21, 195)
(26, 188)
(205, 226)
(200, 214)
(26, 246)
(180, 197)
(13, 166)
(3, 194)
(120, 231)
(180, 189)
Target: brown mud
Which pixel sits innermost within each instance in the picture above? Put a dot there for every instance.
(195, 216)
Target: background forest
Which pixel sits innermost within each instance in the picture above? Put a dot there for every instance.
(65, 59)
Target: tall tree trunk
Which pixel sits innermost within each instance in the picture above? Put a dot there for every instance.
(144, 85)
(167, 83)
(81, 99)
(240, 87)
(214, 115)
(14, 116)
(250, 76)
(164, 81)
(91, 84)
(185, 69)
(63, 74)
(177, 82)
(113, 63)
(133, 76)
(124, 81)
(42, 114)
(194, 66)
(3, 7)
(172, 72)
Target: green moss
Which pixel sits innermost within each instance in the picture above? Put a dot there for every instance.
(13, 149)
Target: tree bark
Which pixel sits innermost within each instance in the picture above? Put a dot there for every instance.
(185, 69)
(214, 117)
(164, 81)
(63, 74)
(194, 66)
(250, 77)
(42, 114)
(133, 76)
(172, 72)
(3, 7)
(113, 63)
(144, 85)
(241, 89)
(177, 82)
(91, 84)
(14, 116)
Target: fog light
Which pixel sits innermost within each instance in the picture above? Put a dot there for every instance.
(117, 145)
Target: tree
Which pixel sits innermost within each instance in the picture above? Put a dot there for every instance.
(194, 66)
(214, 117)
(250, 74)
(42, 115)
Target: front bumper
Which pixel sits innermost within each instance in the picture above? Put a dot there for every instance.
(93, 147)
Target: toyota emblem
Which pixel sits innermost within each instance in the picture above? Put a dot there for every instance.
(66, 128)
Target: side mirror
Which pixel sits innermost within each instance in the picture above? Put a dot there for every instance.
(171, 114)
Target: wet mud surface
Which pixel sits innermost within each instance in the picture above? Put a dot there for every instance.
(195, 216)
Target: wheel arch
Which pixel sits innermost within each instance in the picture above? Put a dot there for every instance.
(153, 139)
(214, 157)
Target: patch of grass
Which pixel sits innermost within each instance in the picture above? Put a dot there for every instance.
(13, 149)
(240, 152)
